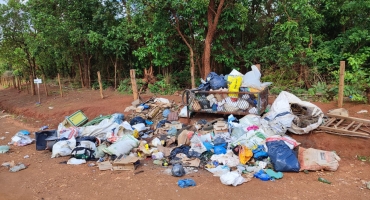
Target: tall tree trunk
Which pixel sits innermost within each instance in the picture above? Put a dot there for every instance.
(212, 17)
(192, 65)
(115, 70)
(80, 69)
(88, 71)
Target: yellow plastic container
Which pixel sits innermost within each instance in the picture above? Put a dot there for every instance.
(234, 83)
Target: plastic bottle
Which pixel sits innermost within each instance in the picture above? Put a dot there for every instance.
(323, 180)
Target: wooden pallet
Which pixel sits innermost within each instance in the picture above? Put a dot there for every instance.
(348, 126)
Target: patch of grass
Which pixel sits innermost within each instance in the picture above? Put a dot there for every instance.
(363, 158)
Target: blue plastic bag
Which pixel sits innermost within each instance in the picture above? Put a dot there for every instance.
(216, 82)
(208, 145)
(220, 149)
(262, 175)
(166, 112)
(259, 153)
(282, 157)
(184, 183)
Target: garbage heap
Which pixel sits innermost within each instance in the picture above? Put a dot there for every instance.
(234, 149)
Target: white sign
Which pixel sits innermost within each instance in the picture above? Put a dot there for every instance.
(37, 80)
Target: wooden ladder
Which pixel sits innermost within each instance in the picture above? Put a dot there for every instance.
(348, 126)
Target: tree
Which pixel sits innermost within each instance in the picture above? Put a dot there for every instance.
(213, 15)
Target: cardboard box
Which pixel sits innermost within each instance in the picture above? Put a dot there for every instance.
(125, 163)
(220, 127)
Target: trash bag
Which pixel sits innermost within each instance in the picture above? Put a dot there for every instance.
(178, 170)
(63, 148)
(216, 82)
(245, 154)
(204, 86)
(219, 170)
(137, 120)
(219, 149)
(184, 183)
(232, 178)
(123, 146)
(282, 157)
(181, 149)
(315, 159)
(259, 153)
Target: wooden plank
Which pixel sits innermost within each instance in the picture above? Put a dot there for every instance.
(340, 121)
(133, 84)
(341, 83)
(350, 125)
(342, 131)
(331, 120)
(343, 134)
(365, 121)
(358, 126)
(100, 85)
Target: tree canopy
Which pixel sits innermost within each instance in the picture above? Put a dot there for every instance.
(299, 43)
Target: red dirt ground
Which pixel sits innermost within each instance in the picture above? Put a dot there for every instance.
(46, 178)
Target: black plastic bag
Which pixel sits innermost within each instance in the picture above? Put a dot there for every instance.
(181, 149)
(178, 170)
(283, 158)
(137, 120)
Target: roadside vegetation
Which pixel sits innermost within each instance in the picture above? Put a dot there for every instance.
(298, 43)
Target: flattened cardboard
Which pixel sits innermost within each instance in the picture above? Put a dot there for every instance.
(106, 165)
(188, 162)
(183, 138)
(165, 150)
(124, 163)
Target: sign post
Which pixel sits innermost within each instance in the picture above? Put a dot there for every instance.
(38, 82)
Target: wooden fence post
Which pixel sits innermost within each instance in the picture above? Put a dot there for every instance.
(60, 86)
(341, 83)
(100, 85)
(133, 83)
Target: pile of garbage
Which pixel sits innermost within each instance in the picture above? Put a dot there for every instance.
(236, 150)
(233, 93)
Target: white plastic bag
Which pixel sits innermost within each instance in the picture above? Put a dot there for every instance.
(229, 159)
(184, 112)
(161, 100)
(122, 146)
(197, 145)
(156, 142)
(75, 161)
(232, 178)
(219, 170)
(281, 118)
(140, 127)
(252, 79)
(20, 139)
(63, 148)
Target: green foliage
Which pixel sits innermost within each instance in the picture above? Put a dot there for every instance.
(320, 92)
(125, 86)
(164, 85)
(299, 43)
(105, 85)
